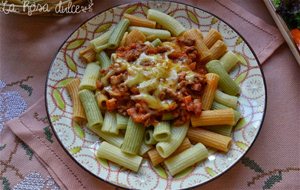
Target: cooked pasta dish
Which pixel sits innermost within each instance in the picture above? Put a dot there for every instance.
(153, 88)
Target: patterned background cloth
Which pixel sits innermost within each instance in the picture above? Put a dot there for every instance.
(28, 45)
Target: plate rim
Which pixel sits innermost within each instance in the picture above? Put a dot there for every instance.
(171, 1)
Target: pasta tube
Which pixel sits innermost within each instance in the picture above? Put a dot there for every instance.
(90, 76)
(156, 159)
(226, 83)
(144, 149)
(202, 49)
(178, 133)
(210, 139)
(122, 121)
(162, 131)
(114, 154)
(122, 43)
(99, 43)
(214, 117)
(91, 109)
(218, 106)
(158, 33)
(116, 140)
(103, 60)
(168, 22)
(117, 33)
(186, 158)
(138, 21)
(209, 90)
(101, 100)
(88, 54)
(193, 33)
(225, 99)
(78, 111)
(110, 123)
(156, 42)
(149, 139)
(212, 36)
(134, 36)
(229, 60)
(225, 130)
(133, 137)
(218, 50)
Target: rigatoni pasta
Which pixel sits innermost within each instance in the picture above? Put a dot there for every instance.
(92, 112)
(78, 111)
(212, 80)
(133, 137)
(90, 77)
(214, 117)
(134, 36)
(212, 37)
(138, 21)
(114, 154)
(110, 123)
(156, 159)
(229, 60)
(162, 131)
(165, 149)
(156, 33)
(226, 99)
(168, 22)
(218, 50)
(186, 158)
(210, 139)
(152, 79)
(226, 83)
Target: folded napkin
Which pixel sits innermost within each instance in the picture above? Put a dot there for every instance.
(33, 127)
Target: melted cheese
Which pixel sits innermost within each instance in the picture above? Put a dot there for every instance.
(159, 74)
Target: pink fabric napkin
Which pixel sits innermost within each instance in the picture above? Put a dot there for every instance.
(33, 128)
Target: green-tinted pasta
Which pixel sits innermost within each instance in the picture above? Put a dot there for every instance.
(162, 131)
(110, 123)
(91, 109)
(158, 33)
(144, 148)
(178, 133)
(133, 139)
(117, 34)
(100, 41)
(226, 83)
(168, 22)
(225, 130)
(114, 154)
(116, 140)
(229, 60)
(156, 42)
(225, 99)
(149, 139)
(122, 121)
(186, 158)
(217, 106)
(103, 60)
(91, 74)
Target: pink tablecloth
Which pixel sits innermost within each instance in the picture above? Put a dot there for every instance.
(27, 46)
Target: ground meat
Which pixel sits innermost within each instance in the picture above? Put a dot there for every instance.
(186, 97)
